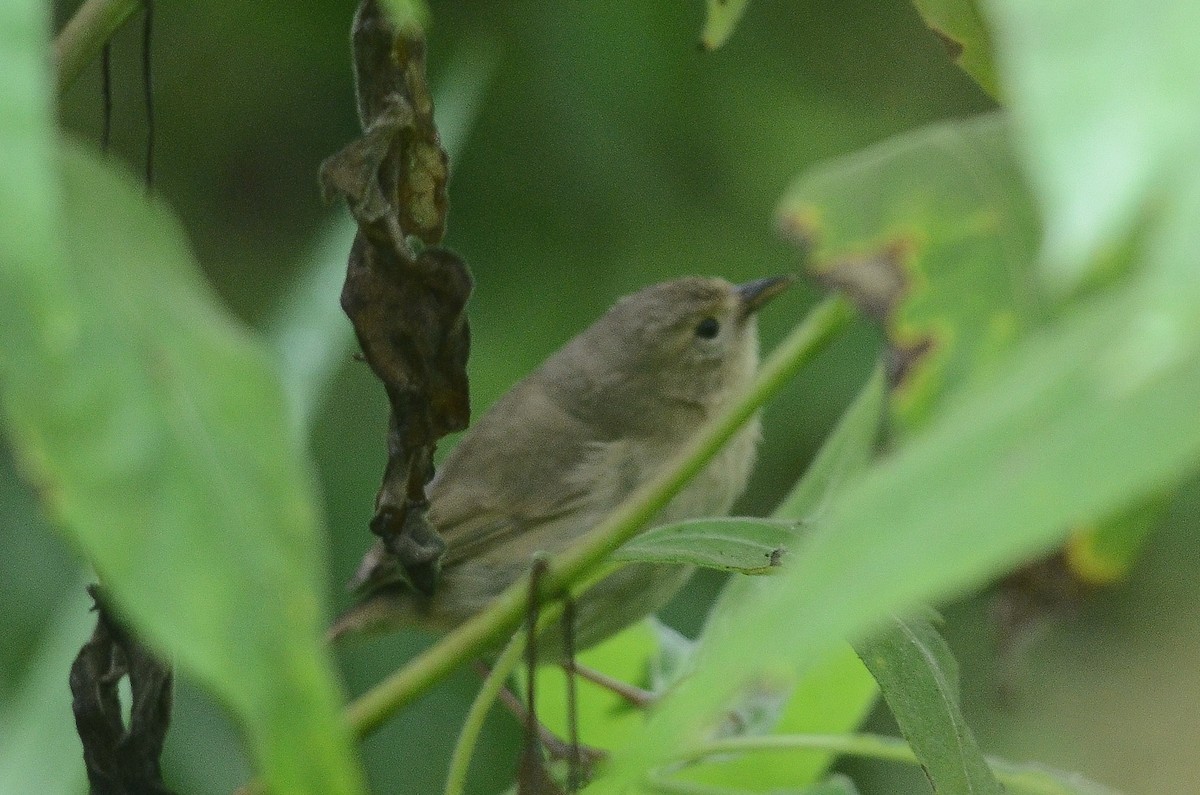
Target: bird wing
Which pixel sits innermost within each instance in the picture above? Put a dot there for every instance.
(518, 469)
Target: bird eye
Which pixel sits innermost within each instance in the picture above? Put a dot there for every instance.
(708, 328)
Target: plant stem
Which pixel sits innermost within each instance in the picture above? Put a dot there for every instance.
(1017, 779)
(873, 746)
(489, 627)
(84, 35)
(468, 736)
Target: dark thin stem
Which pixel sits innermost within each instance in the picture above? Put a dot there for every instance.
(531, 626)
(106, 96)
(148, 91)
(575, 769)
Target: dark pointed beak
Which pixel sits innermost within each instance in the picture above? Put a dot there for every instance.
(755, 295)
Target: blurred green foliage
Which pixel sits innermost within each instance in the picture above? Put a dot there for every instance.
(607, 152)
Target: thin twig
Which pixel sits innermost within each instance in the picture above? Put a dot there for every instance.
(84, 35)
(106, 96)
(148, 91)
(489, 627)
(468, 735)
(1027, 779)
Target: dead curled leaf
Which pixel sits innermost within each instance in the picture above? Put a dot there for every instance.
(405, 296)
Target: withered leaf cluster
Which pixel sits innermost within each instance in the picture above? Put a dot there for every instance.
(120, 760)
(405, 295)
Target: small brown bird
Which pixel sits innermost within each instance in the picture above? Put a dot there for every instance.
(570, 442)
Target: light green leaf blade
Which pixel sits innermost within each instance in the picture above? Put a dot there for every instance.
(728, 543)
(992, 481)
(1027, 779)
(39, 750)
(933, 234)
(843, 456)
(834, 785)
(1104, 553)
(836, 694)
(918, 677)
(722, 17)
(155, 428)
(960, 26)
(29, 192)
(1105, 92)
(604, 717)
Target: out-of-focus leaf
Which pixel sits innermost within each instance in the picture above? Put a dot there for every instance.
(993, 480)
(834, 785)
(843, 456)
(39, 751)
(1027, 779)
(729, 543)
(835, 695)
(1104, 90)
(604, 717)
(1103, 554)
(961, 28)
(154, 428)
(721, 19)
(29, 193)
(939, 250)
(918, 677)
(409, 13)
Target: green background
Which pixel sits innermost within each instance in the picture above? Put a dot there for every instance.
(607, 152)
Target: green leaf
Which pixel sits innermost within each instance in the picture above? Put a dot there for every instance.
(835, 695)
(1027, 779)
(722, 18)
(39, 750)
(154, 427)
(1105, 91)
(834, 785)
(29, 193)
(991, 481)
(604, 717)
(918, 677)
(962, 30)
(729, 543)
(843, 456)
(1103, 553)
(933, 235)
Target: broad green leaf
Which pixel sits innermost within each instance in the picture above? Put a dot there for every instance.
(834, 785)
(843, 456)
(918, 677)
(39, 750)
(1105, 94)
(409, 12)
(933, 235)
(991, 481)
(604, 716)
(729, 543)
(29, 192)
(1027, 779)
(722, 17)
(961, 28)
(1103, 554)
(155, 429)
(835, 695)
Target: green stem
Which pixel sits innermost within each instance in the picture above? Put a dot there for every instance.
(84, 35)
(873, 746)
(1017, 779)
(468, 736)
(489, 627)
